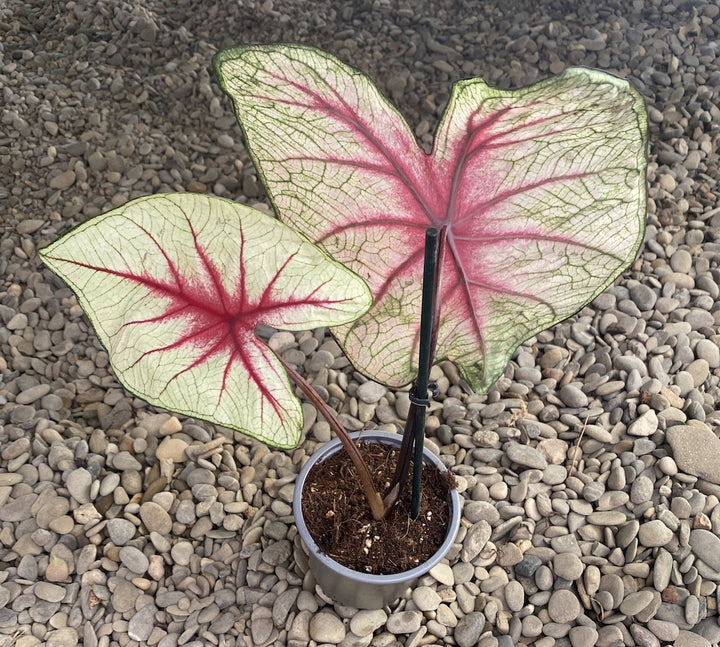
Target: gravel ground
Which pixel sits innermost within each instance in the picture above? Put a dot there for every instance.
(590, 472)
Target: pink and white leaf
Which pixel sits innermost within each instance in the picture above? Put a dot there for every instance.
(541, 192)
(175, 287)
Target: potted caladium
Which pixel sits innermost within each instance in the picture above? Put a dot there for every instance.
(530, 203)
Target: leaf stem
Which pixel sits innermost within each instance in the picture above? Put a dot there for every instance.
(374, 500)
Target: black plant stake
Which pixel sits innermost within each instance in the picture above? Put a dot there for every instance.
(419, 394)
(415, 424)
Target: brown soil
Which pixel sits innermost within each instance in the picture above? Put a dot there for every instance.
(338, 516)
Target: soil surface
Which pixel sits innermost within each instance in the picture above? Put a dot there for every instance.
(339, 519)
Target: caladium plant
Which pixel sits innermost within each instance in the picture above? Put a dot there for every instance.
(537, 197)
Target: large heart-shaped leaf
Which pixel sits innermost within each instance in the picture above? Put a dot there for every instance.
(175, 286)
(541, 192)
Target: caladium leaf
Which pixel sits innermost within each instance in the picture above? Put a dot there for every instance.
(541, 192)
(175, 286)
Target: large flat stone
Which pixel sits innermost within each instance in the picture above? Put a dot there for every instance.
(696, 450)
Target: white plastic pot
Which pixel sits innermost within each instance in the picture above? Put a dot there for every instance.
(352, 588)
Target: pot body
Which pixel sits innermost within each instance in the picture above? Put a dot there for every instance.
(352, 588)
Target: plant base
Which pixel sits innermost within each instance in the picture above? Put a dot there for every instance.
(339, 519)
(370, 590)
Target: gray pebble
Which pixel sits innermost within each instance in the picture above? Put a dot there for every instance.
(109, 483)
(643, 636)
(666, 631)
(531, 627)
(525, 455)
(644, 296)
(222, 624)
(425, 598)
(514, 595)
(554, 474)
(641, 490)
(282, 606)
(49, 592)
(62, 181)
(527, 567)
(654, 533)
(27, 569)
(709, 352)
(628, 363)
(583, 636)
(18, 509)
(320, 360)
(142, 623)
(125, 461)
(124, 595)
(262, 626)
(468, 629)
(475, 539)
(63, 637)
(32, 394)
(365, 622)
(611, 500)
(645, 425)
(662, 570)
(699, 318)
(565, 544)
(544, 578)
(610, 636)
(134, 559)
(699, 370)
(403, 622)
(120, 531)
(371, 392)
(181, 552)
(607, 518)
(627, 532)
(689, 639)
(442, 573)
(681, 261)
(593, 491)
(568, 566)
(185, 512)
(692, 610)
(509, 554)
(706, 546)
(204, 492)
(155, 518)
(667, 466)
(635, 602)
(573, 397)
(326, 627)
(19, 321)
(563, 606)
(695, 411)
(277, 552)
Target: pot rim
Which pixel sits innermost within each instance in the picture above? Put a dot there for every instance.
(334, 446)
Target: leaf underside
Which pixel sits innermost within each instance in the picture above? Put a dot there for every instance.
(541, 190)
(175, 286)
